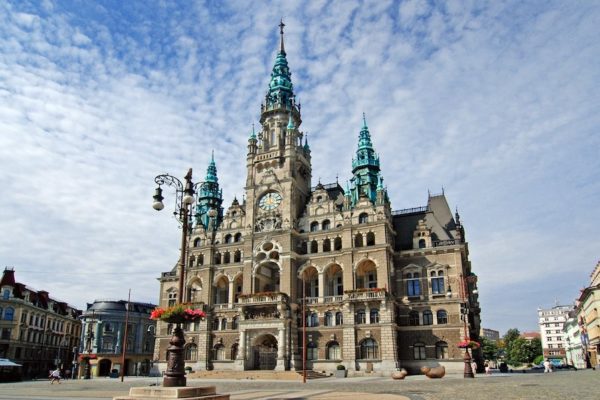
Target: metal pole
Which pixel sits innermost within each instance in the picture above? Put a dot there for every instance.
(303, 329)
(125, 337)
(184, 229)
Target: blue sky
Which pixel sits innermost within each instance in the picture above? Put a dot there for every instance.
(496, 102)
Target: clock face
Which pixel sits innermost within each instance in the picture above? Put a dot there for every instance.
(270, 201)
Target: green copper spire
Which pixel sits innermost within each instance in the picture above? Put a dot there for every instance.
(281, 90)
(365, 168)
(253, 134)
(210, 197)
(211, 171)
(290, 125)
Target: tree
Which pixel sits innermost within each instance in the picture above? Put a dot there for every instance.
(510, 338)
(489, 349)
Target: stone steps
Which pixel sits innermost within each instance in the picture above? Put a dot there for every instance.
(170, 393)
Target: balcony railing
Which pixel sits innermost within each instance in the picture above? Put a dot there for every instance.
(311, 300)
(365, 294)
(450, 242)
(263, 298)
(333, 299)
(410, 210)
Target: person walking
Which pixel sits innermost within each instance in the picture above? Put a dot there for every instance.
(488, 370)
(55, 376)
(547, 366)
(474, 367)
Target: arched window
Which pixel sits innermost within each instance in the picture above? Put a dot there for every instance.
(312, 320)
(360, 317)
(413, 284)
(234, 351)
(217, 258)
(314, 226)
(228, 238)
(238, 237)
(337, 243)
(442, 317)
(437, 282)
(303, 248)
(197, 242)
(191, 352)
(234, 322)
(314, 247)
(441, 350)
(369, 350)
(312, 352)
(325, 225)
(413, 318)
(427, 317)
(422, 243)
(326, 245)
(224, 324)
(374, 316)
(328, 319)
(237, 256)
(219, 352)
(9, 313)
(419, 351)
(358, 240)
(333, 351)
(339, 318)
(363, 218)
(370, 239)
(226, 258)
(215, 324)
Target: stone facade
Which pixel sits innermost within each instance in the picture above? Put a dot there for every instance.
(36, 330)
(362, 285)
(102, 336)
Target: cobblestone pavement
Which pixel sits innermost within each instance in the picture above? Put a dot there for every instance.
(562, 385)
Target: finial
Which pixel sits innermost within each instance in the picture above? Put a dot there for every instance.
(364, 120)
(281, 25)
(212, 156)
(336, 179)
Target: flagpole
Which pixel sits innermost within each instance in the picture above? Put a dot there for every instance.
(124, 347)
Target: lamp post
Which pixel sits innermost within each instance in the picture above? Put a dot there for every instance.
(464, 310)
(90, 338)
(175, 373)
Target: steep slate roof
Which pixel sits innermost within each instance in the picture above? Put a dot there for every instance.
(437, 216)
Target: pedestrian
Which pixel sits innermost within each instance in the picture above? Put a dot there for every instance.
(547, 366)
(488, 370)
(474, 366)
(55, 376)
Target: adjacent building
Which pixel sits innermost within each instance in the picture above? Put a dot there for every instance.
(551, 322)
(37, 331)
(330, 270)
(105, 324)
(575, 352)
(589, 320)
(490, 334)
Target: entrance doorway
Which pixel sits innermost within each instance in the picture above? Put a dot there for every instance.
(265, 352)
(104, 367)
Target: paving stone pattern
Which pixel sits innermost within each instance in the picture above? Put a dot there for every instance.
(559, 385)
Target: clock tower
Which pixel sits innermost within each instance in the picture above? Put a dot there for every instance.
(278, 163)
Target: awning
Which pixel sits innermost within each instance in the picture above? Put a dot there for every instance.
(5, 362)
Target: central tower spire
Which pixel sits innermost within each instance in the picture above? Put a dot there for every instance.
(281, 47)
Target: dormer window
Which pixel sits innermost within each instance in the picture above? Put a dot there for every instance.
(6, 294)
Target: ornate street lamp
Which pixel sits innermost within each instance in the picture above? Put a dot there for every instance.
(175, 373)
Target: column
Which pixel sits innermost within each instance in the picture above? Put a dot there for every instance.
(367, 314)
(321, 286)
(230, 295)
(242, 348)
(280, 344)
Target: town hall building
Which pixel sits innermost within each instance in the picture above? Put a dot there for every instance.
(327, 275)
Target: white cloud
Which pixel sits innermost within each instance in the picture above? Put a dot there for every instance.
(495, 102)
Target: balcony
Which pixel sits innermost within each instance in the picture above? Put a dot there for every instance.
(333, 299)
(451, 242)
(263, 298)
(365, 294)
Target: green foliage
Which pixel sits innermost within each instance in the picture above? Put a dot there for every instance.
(489, 349)
(523, 351)
(539, 359)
